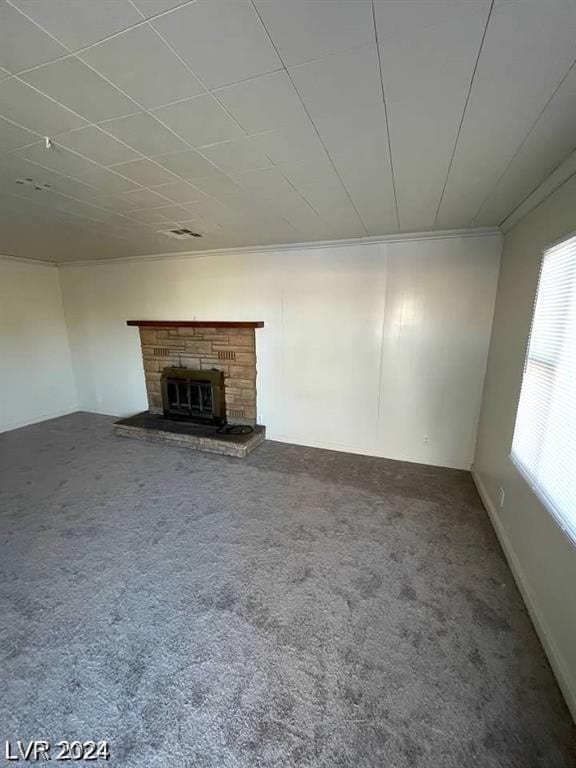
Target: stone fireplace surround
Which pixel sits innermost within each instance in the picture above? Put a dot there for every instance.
(203, 345)
(199, 345)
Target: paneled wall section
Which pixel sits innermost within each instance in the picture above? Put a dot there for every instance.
(375, 348)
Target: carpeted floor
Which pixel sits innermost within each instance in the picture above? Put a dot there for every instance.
(296, 608)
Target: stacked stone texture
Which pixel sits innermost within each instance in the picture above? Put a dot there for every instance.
(204, 349)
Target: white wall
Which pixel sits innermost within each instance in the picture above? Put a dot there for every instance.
(36, 380)
(541, 556)
(376, 348)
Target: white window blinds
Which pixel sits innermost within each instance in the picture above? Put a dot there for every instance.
(544, 443)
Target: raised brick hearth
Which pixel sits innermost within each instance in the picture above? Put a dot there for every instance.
(228, 347)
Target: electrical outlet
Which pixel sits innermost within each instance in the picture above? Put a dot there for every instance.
(501, 496)
(426, 440)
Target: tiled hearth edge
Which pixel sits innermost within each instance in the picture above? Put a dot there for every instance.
(203, 345)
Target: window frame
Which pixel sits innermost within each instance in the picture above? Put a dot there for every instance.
(566, 525)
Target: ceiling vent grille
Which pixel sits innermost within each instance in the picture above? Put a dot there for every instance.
(180, 234)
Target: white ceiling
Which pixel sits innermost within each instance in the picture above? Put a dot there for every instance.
(274, 121)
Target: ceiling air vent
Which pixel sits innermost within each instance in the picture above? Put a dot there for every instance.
(180, 234)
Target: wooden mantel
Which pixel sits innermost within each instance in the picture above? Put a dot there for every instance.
(196, 323)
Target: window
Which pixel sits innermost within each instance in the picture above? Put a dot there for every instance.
(544, 443)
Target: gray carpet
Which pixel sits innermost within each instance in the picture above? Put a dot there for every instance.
(296, 608)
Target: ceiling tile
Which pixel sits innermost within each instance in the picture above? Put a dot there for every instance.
(428, 52)
(27, 107)
(78, 167)
(515, 78)
(145, 172)
(144, 67)
(13, 167)
(343, 94)
(145, 134)
(150, 8)
(291, 145)
(106, 180)
(222, 40)
(321, 187)
(369, 184)
(264, 103)
(143, 198)
(96, 145)
(199, 121)
(165, 213)
(237, 156)
(73, 84)
(188, 164)
(57, 159)
(76, 207)
(81, 22)
(115, 202)
(22, 43)
(218, 186)
(549, 143)
(304, 31)
(12, 136)
(180, 192)
(270, 185)
(345, 85)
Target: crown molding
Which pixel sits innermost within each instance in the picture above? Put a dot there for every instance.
(27, 260)
(279, 247)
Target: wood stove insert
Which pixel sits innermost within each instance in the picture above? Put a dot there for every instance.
(196, 396)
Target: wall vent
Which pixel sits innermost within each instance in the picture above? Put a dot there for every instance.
(225, 355)
(236, 413)
(180, 234)
(161, 352)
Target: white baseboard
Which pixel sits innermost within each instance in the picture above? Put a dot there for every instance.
(37, 419)
(559, 666)
(430, 461)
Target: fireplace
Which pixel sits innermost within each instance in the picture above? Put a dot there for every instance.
(200, 353)
(200, 380)
(193, 395)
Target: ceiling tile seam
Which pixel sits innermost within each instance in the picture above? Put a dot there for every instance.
(124, 214)
(77, 52)
(391, 158)
(202, 83)
(502, 224)
(40, 27)
(84, 48)
(466, 102)
(67, 218)
(165, 154)
(77, 180)
(142, 156)
(65, 213)
(347, 193)
(138, 11)
(143, 110)
(84, 202)
(519, 149)
(196, 149)
(231, 116)
(23, 127)
(61, 194)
